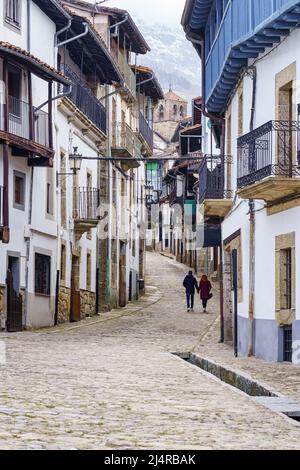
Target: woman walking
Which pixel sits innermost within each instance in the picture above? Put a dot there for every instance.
(204, 289)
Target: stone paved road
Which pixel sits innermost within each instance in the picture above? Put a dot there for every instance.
(115, 384)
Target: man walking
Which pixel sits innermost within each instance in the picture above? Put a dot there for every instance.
(190, 284)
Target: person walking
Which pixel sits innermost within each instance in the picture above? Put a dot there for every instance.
(190, 284)
(204, 289)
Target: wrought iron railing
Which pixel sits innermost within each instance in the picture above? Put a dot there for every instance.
(145, 130)
(212, 178)
(83, 97)
(269, 150)
(1, 206)
(86, 202)
(20, 115)
(194, 164)
(124, 139)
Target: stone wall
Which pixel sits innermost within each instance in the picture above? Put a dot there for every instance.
(64, 304)
(87, 304)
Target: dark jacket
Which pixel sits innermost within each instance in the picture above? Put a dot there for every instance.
(205, 288)
(190, 284)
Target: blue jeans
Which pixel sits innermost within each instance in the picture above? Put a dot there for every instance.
(190, 300)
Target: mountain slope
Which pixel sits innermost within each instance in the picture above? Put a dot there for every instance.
(173, 59)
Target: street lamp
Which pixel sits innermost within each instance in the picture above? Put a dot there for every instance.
(75, 161)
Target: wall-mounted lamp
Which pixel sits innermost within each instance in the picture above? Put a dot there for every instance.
(75, 161)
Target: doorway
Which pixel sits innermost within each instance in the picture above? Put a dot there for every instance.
(14, 298)
(75, 290)
(122, 275)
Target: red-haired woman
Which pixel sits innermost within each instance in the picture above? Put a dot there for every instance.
(204, 289)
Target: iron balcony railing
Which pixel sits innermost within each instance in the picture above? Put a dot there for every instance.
(1, 206)
(212, 178)
(85, 100)
(145, 130)
(270, 150)
(20, 115)
(86, 202)
(124, 139)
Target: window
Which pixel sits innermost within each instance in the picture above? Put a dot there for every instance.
(13, 12)
(161, 112)
(175, 110)
(48, 198)
(181, 111)
(49, 193)
(88, 270)
(19, 190)
(63, 263)
(286, 278)
(42, 274)
(287, 343)
(14, 91)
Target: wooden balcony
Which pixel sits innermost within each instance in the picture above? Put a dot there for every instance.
(26, 129)
(91, 113)
(86, 203)
(145, 135)
(125, 144)
(129, 88)
(216, 199)
(269, 163)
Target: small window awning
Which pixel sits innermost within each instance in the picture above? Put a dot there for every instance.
(29, 61)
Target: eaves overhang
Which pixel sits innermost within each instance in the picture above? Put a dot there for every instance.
(250, 46)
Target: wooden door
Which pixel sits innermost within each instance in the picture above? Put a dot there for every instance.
(122, 275)
(14, 321)
(75, 291)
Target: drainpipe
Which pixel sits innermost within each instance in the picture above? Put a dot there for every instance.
(116, 25)
(220, 121)
(252, 233)
(29, 220)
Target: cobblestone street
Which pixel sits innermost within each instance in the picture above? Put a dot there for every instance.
(112, 383)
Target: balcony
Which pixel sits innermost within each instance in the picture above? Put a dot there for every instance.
(217, 200)
(241, 30)
(128, 75)
(177, 191)
(25, 128)
(85, 100)
(268, 164)
(86, 202)
(145, 135)
(125, 144)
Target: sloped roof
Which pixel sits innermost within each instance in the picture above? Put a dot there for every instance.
(38, 67)
(170, 95)
(138, 42)
(152, 87)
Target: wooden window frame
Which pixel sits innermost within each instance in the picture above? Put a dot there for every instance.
(42, 280)
(21, 176)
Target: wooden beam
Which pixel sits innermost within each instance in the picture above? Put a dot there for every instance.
(50, 119)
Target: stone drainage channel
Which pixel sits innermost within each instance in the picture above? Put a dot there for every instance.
(261, 393)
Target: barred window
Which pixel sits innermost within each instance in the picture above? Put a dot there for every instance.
(42, 274)
(13, 12)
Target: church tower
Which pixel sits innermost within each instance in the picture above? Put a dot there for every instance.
(168, 113)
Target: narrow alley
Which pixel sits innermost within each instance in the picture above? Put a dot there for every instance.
(113, 383)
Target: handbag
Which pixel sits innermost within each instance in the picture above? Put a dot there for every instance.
(210, 296)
